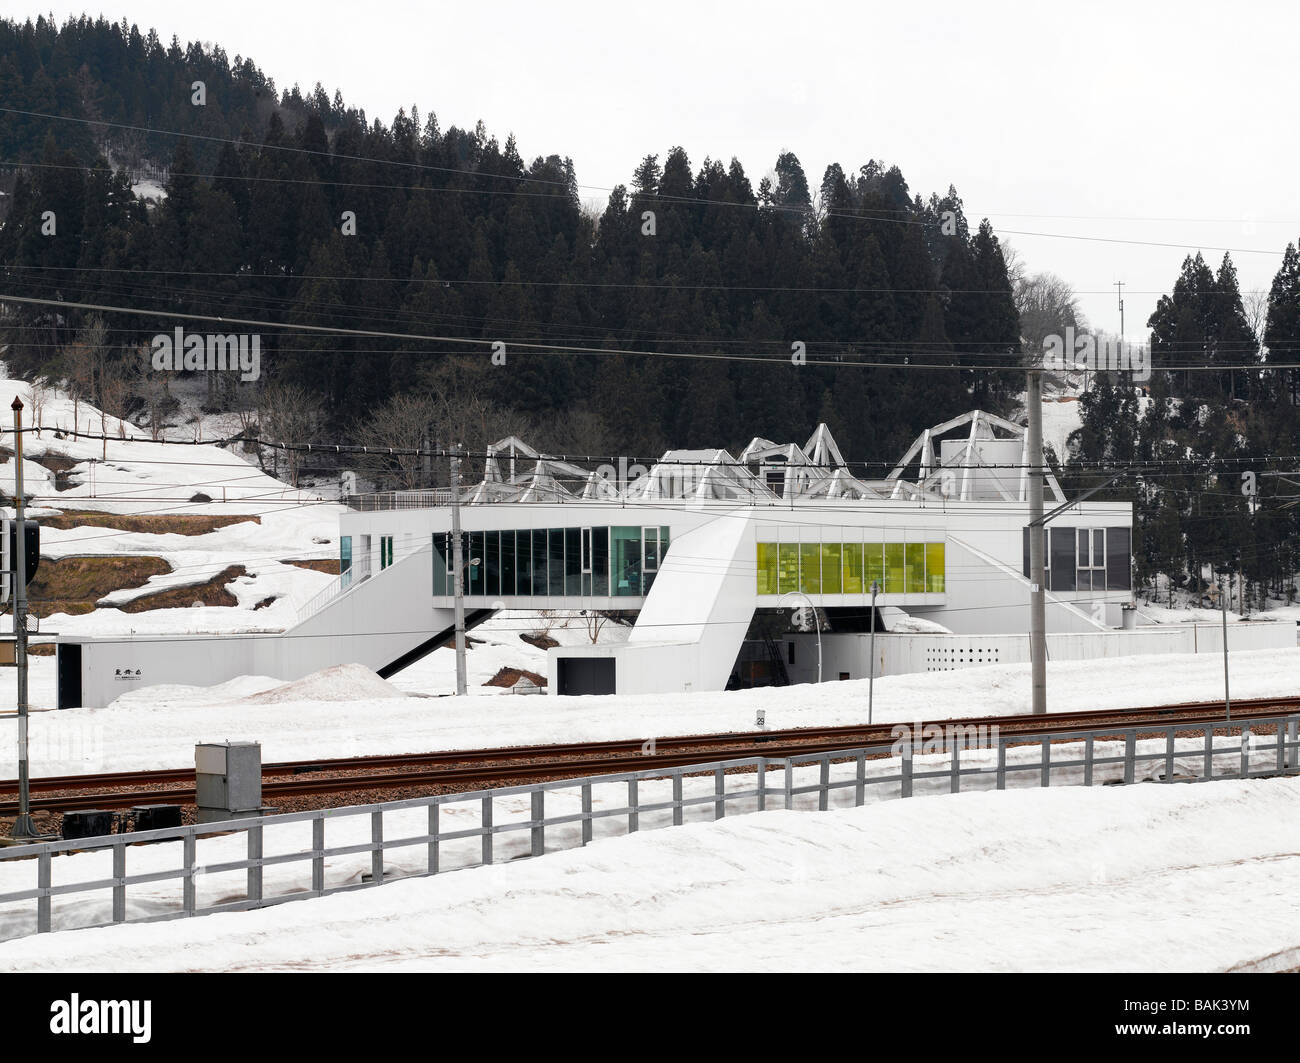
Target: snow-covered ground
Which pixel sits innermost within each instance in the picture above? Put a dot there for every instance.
(157, 727)
(1142, 877)
(131, 474)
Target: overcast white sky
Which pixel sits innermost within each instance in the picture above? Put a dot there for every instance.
(1138, 121)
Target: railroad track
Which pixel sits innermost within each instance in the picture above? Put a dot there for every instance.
(464, 769)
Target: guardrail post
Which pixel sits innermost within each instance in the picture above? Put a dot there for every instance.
(1045, 763)
(905, 789)
(377, 853)
(719, 794)
(539, 822)
(789, 784)
(1169, 756)
(677, 799)
(954, 770)
(762, 784)
(1002, 763)
(318, 855)
(188, 886)
(860, 780)
(1280, 732)
(43, 882)
(1293, 740)
(1087, 760)
(119, 882)
(1209, 752)
(824, 791)
(434, 817)
(1130, 752)
(633, 819)
(1245, 751)
(255, 854)
(586, 813)
(485, 825)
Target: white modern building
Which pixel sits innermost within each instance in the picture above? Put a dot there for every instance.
(697, 546)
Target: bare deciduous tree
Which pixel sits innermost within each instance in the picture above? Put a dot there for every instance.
(595, 621)
(290, 414)
(40, 397)
(151, 385)
(81, 360)
(405, 422)
(1047, 306)
(1255, 303)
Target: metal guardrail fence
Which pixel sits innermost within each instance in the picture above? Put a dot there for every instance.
(1281, 756)
(378, 500)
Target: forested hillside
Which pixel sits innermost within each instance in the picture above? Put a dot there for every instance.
(666, 317)
(457, 235)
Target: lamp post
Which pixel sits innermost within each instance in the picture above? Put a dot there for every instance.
(871, 663)
(816, 620)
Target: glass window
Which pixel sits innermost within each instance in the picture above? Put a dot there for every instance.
(345, 559)
(508, 566)
(476, 552)
(523, 563)
(651, 549)
(788, 568)
(600, 561)
(441, 563)
(915, 566)
(625, 554)
(650, 559)
(555, 560)
(573, 561)
(539, 562)
(492, 564)
(767, 556)
(1118, 559)
(852, 556)
(1061, 548)
(934, 568)
(873, 567)
(831, 568)
(895, 568)
(810, 568)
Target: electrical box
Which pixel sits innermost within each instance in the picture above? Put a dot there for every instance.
(228, 780)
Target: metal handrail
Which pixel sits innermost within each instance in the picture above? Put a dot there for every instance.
(900, 767)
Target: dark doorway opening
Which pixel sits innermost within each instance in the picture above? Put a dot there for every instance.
(585, 675)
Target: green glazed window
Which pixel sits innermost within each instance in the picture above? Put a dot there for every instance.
(788, 568)
(767, 568)
(852, 555)
(810, 568)
(934, 568)
(895, 568)
(830, 568)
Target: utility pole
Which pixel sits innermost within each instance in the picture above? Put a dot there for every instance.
(1227, 700)
(23, 827)
(1119, 288)
(1037, 595)
(457, 566)
(871, 672)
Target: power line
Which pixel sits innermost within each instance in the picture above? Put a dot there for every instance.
(692, 200)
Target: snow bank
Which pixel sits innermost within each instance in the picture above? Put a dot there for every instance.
(342, 682)
(1105, 879)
